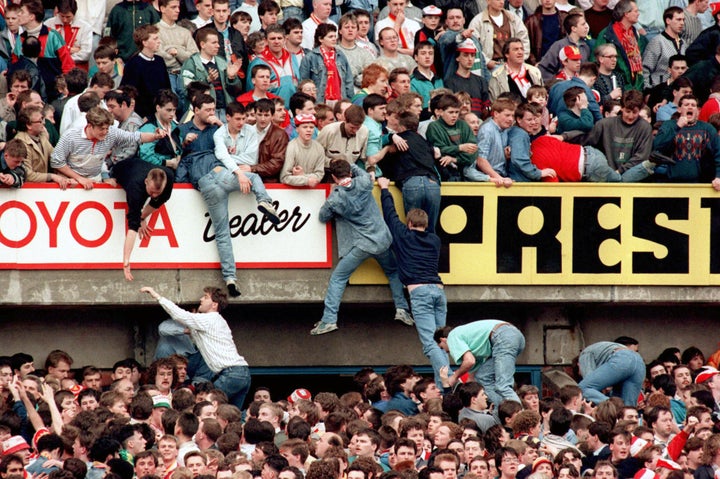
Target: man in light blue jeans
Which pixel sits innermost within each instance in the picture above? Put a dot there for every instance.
(607, 364)
(488, 348)
(236, 146)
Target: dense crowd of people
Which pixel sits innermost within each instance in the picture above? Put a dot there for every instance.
(229, 95)
(180, 420)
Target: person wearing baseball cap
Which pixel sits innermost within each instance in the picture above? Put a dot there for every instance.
(305, 158)
(570, 59)
(463, 79)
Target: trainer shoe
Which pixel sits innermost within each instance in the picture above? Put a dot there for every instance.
(404, 317)
(268, 210)
(323, 328)
(233, 291)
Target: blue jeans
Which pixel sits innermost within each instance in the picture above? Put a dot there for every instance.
(429, 309)
(424, 193)
(293, 12)
(235, 382)
(625, 370)
(497, 374)
(345, 268)
(598, 170)
(215, 188)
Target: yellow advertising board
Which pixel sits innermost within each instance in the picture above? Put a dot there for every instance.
(574, 234)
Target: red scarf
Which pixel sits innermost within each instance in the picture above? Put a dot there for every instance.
(629, 43)
(332, 92)
(403, 40)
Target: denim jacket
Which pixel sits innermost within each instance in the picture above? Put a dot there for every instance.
(359, 222)
(313, 67)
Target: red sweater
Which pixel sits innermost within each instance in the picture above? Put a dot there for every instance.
(549, 152)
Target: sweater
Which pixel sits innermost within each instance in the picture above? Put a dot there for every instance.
(449, 138)
(418, 160)
(624, 145)
(179, 38)
(695, 149)
(311, 157)
(149, 77)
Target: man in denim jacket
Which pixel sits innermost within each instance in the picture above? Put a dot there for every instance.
(362, 234)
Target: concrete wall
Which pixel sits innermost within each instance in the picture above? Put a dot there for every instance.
(277, 334)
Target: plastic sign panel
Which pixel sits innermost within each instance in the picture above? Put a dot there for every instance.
(575, 234)
(43, 227)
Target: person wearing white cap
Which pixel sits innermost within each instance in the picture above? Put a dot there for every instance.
(708, 376)
(463, 80)
(455, 34)
(305, 158)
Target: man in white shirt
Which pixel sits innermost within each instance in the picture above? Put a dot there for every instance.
(213, 337)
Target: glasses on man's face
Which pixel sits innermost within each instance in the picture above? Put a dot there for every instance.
(510, 459)
(610, 56)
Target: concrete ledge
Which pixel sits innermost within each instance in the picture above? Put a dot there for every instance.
(105, 287)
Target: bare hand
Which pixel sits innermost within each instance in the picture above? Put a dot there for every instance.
(144, 230)
(173, 164)
(616, 93)
(658, 105)
(383, 183)
(86, 183)
(245, 168)
(244, 182)
(313, 181)
(507, 152)
(298, 170)
(716, 184)
(548, 173)
(400, 143)
(150, 291)
(190, 138)
(11, 98)
(127, 273)
(500, 181)
(682, 121)
(213, 74)
(172, 51)
(232, 70)
(469, 148)
(467, 33)
(447, 160)
(444, 373)
(6, 179)
(111, 181)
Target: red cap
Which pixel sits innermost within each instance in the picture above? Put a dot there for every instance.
(13, 445)
(715, 8)
(705, 375)
(570, 52)
(299, 394)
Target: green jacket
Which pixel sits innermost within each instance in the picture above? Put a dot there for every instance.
(608, 35)
(194, 70)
